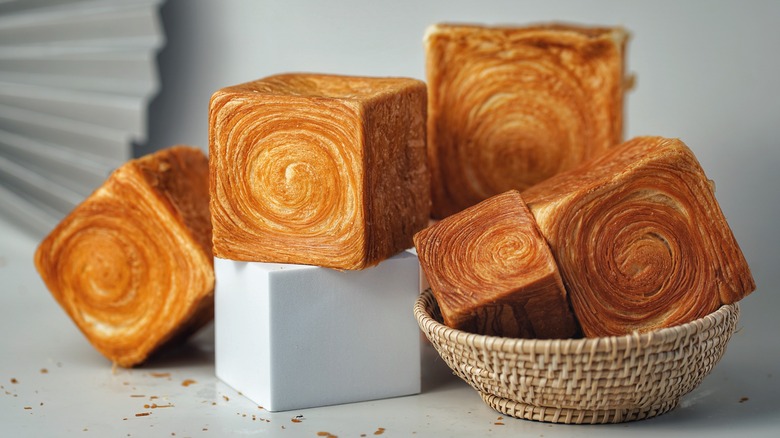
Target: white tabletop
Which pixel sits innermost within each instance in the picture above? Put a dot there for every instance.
(53, 383)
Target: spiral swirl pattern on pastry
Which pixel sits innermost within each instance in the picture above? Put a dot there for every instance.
(492, 272)
(640, 239)
(290, 171)
(297, 176)
(510, 107)
(129, 264)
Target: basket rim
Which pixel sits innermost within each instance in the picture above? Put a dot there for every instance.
(633, 340)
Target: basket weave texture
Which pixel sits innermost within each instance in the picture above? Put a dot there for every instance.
(578, 381)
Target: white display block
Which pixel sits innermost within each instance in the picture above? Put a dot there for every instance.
(297, 336)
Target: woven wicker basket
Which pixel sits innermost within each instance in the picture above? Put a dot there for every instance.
(576, 381)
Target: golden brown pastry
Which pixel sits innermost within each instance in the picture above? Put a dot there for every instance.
(132, 264)
(318, 169)
(511, 106)
(492, 272)
(640, 239)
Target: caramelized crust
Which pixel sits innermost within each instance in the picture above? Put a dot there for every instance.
(640, 239)
(317, 169)
(132, 264)
(512, 106)
(492, 272)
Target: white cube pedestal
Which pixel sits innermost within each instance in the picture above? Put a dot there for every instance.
(296, 336)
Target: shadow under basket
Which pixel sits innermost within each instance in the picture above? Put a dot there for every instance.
(583, 381)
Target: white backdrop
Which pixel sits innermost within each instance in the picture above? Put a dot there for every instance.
(707, 72)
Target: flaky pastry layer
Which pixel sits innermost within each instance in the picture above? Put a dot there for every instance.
(492, 273)
(640, 239)
(132, 264)
(511, 106)
(318, 169)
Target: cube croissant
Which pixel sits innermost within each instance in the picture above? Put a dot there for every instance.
(512, 106)
(132, 263)
(492, 272)
(640, 239)
(318, 169)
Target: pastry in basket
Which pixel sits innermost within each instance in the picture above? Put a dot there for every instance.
(640, 239)
(511, 106)
(132, 264)
(492, 272)
(318, 169)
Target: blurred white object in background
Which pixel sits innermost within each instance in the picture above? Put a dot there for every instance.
(76, 77)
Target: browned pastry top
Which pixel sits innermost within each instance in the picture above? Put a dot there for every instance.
(313, 85)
